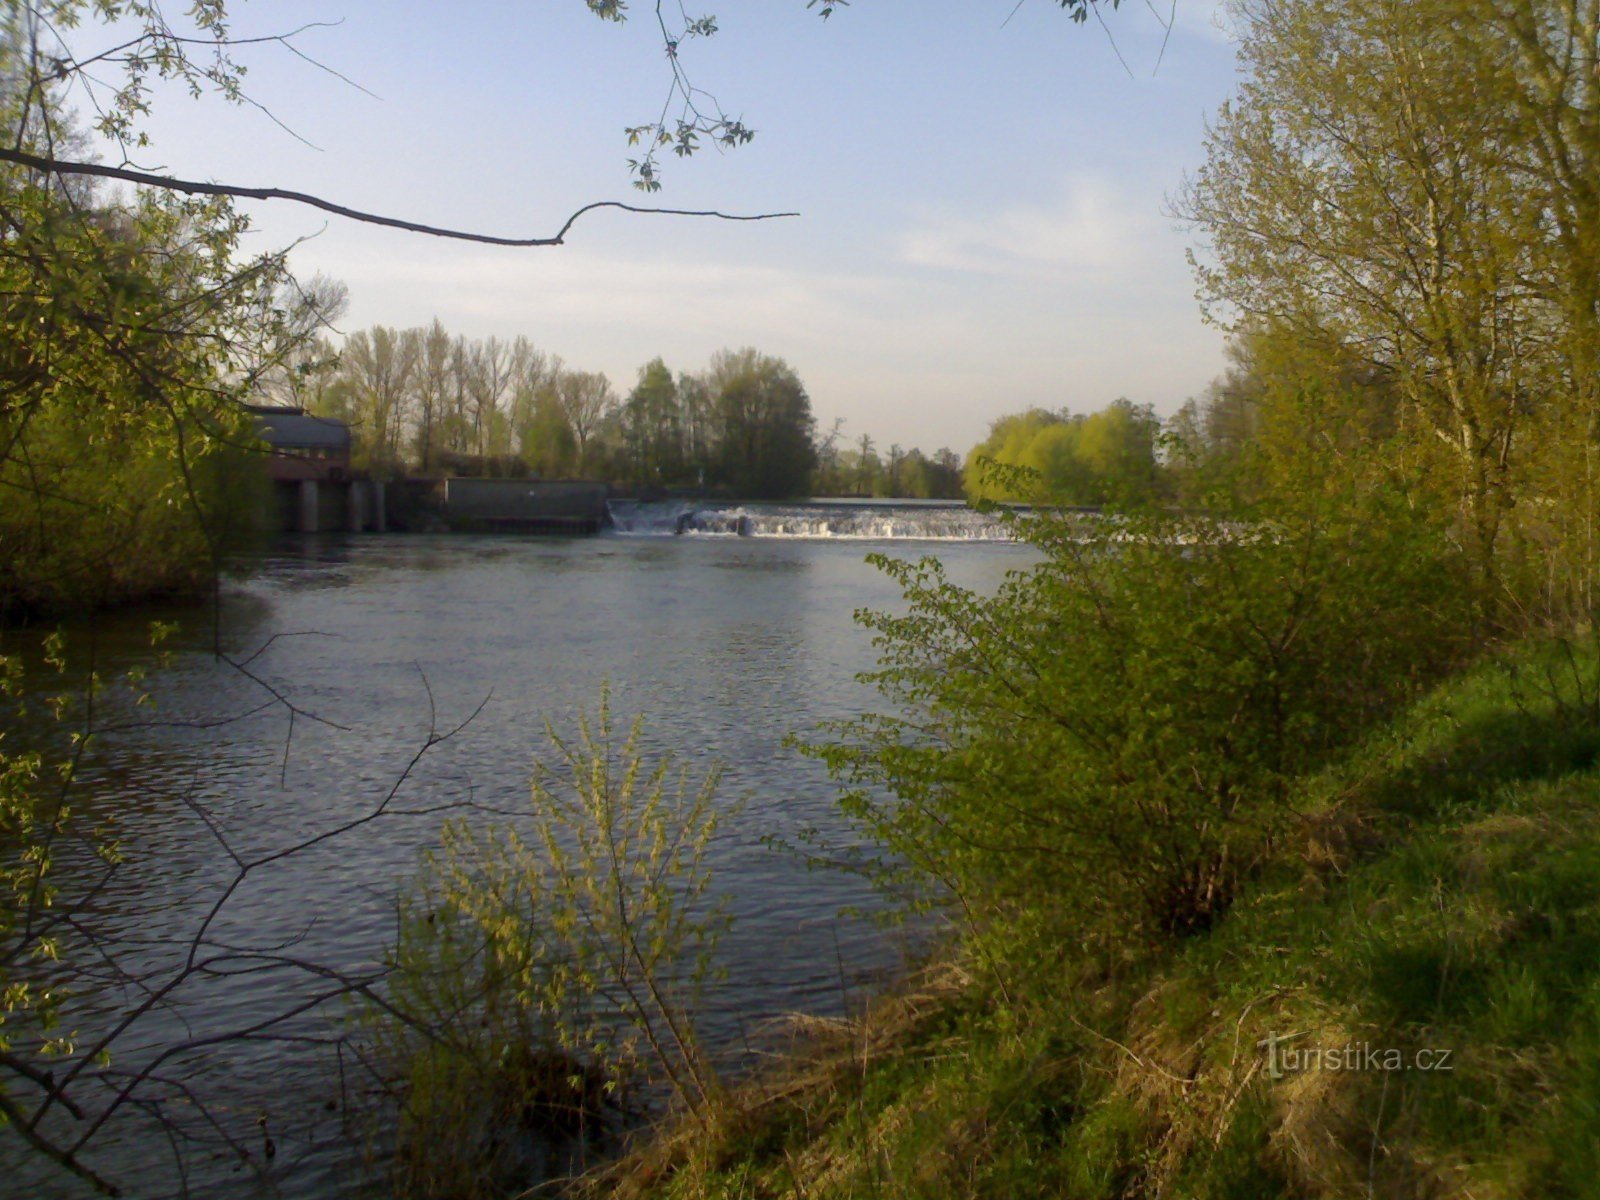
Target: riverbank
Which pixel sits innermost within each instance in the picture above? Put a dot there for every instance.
(1404, 1002)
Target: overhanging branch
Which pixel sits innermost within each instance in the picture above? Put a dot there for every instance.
(197, 188)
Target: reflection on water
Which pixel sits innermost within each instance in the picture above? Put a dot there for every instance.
(724, 646)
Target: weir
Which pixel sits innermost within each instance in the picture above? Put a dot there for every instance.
(310, 505)
(862, 520)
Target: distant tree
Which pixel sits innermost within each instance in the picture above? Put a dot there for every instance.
(585, 399)
(549, 445)
(892, 483)
(866, 465)
(1272, 375)
(652, 422)
(945, 475)
(489, 375)
(1107, 457)
(531, 370)
(764, 423)
(377, 366)
(432, 391)
(694, 402)
(296, 360)
(828, 480)
(1010, 441)
(913, 476)
(1117, 446)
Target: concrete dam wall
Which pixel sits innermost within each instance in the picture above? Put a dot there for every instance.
(438, 505)
(532, 505)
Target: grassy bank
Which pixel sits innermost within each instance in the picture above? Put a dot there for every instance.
(1435, 907)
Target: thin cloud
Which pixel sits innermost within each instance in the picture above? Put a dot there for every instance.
(1090, 230)
(620, 296)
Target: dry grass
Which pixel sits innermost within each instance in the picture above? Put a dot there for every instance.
(818, 1065)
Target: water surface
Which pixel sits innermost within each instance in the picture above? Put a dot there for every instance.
(722, 644)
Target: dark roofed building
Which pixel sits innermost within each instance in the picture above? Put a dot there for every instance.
(303, 446)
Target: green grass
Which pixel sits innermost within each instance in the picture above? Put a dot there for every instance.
(1443, 896)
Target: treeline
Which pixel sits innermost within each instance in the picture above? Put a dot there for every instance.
(859, 469)
(423, 400)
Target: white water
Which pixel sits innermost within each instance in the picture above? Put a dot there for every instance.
(944, 521)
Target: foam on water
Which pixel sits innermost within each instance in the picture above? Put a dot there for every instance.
(861, 520)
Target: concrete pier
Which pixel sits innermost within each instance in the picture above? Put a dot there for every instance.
(355, 497)
(574, 506)
(309, 507)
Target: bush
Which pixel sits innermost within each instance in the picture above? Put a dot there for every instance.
(538, 973)
(1109, 741)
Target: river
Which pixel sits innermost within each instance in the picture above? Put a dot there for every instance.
(722, 644)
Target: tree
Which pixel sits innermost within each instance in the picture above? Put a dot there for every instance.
(1535, 64)
(1351, 195)
(1274, 382)
(830, 474)
(380, 365)
(530, 370)
(1118, 448)
(458, 429)
(551, 447)
(127, 334)
(585, 399)
(694, 401)
(1108, 457)
(897, 458)
(432, 392)
(653, 425)
(866, 464)
(946, 475)
(297, 361)
(491, 370)
(765, 427)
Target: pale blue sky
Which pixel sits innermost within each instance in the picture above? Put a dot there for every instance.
(982, 223)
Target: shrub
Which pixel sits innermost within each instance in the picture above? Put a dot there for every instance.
(538, 971)
(1109, 741)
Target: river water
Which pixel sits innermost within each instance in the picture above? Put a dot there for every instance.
(722, 644)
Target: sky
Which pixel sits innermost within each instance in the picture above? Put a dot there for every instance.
(982, 199)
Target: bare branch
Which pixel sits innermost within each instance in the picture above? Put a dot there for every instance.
(194, 187)
(17, 1119)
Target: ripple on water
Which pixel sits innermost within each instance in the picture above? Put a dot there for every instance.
(724, 646)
